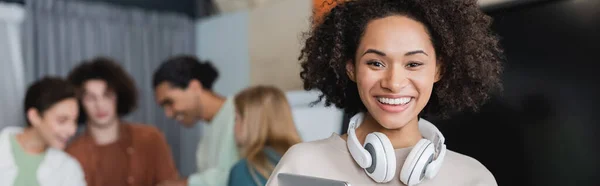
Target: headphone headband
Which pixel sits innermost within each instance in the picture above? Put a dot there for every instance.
(377, 156)
(360, 155)
(427, 129)
(433, 134)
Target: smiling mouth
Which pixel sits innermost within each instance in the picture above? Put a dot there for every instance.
(394, 101)
(179, 117)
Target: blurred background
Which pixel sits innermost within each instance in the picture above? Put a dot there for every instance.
(542, 130)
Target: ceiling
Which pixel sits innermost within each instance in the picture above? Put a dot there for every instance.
(225, 6)
(202, 8)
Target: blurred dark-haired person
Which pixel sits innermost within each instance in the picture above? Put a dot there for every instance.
(183, 88)
(113, 151)
(34, 155)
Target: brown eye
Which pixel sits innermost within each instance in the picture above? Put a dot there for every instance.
(413, 64)
(375, 63)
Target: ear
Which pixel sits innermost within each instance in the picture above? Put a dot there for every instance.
(34, 116)
(194, 84)
(350, 70)
(438, 71)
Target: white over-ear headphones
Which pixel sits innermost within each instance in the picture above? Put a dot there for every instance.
(378, 159)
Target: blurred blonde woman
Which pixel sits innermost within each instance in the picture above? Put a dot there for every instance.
(264, 131)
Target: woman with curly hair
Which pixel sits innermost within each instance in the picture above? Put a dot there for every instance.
(389, 62)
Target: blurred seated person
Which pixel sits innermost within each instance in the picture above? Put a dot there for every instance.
(113, 151)
(34, 155)
(264, 131)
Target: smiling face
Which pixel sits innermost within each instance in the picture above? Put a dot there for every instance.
(56, 124)
(180, 104)
(395, 68)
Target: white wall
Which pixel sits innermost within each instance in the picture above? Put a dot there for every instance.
(275, 31)
(224, 41)
(314, 122)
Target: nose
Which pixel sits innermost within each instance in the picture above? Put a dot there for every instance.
(395, 79)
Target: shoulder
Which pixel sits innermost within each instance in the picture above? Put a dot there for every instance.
(71, 163)
(324, 146)
(11, 130)
(239, 173)
(309, 158)
(7, 131)
(144, 131)
(64, 161)
(466, 165)
(142, 128)
(76, 146)
(239, 167)
(314, 151)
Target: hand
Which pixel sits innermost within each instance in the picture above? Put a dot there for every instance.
(173, 183)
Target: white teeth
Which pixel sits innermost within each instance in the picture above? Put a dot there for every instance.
(394, 101)
(179, 117)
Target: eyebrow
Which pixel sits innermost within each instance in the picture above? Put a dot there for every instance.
(415, 52)
(383, 54)
(375, 52)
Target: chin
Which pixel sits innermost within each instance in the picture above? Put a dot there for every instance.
(103, 122)
(393, 120)
(188, 124)
(58, 145)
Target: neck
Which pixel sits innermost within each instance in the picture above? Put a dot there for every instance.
(31, 141)
(211, 105)
(106, 134)
(406, 136)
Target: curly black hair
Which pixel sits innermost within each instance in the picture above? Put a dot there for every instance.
(117, 80)
(471, 58)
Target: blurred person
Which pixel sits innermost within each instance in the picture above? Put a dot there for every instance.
(264, 131)
(389, 62)
(183, 88)
(34, 155)
(113, 151)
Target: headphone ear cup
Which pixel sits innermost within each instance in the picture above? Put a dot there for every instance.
(413, 170)
(383, 167)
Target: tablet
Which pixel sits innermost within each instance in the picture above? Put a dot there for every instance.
(286, 179)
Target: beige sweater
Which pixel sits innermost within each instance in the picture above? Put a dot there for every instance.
(330, 158)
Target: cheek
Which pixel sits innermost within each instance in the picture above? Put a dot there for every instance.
(239, 131)
(88, 106)
(367, 80)
(112, 104)
(178, 105)
(51, 128)
(424, 85)
(424, 82)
